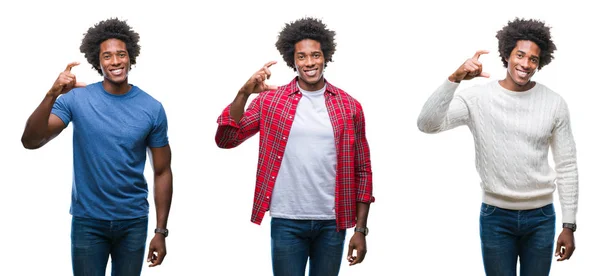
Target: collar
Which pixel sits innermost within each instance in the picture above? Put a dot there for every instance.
(292, 88)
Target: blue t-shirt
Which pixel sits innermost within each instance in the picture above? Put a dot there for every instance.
(110, 136)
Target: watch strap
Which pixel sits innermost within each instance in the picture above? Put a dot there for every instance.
(571, 226)
(363, 230)
(163, 231)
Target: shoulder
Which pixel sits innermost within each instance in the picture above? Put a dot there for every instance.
(281, 93)
(549, 93)
(345, 97)
(80, 94)
(146, 99)
(478, 90)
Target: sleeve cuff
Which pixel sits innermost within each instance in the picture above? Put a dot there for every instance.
(568, 217)
(366, 199)
(226, 120)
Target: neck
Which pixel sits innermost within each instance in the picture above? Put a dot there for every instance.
(116, 88)
(509, 84)
(311, 86)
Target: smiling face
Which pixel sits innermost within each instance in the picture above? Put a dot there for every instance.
(522, 65)
(114, 63)
(310, 62)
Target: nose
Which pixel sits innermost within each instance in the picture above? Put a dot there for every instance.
(310, 61)
(526, 63)
(115, 60)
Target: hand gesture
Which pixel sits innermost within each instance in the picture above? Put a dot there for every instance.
(565, 245)
(257, 83)
(66, 81)
(358, 242)
(157, 250)
(472, 68)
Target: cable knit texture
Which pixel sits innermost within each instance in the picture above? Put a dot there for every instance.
(513, 132)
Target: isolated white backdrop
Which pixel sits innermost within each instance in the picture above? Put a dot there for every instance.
(195, 57)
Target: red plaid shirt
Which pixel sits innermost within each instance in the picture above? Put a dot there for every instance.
(272, 113)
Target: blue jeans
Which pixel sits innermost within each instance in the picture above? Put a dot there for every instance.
(508, 234)
(92, 241)
(293, 242)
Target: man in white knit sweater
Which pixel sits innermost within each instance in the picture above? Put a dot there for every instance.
(514, 122)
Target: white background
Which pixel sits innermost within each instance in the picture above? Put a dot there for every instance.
(195, 58)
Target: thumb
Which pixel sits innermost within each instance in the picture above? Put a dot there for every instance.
(272, 87)
(484, 74)
(558, 247)
(80, 84)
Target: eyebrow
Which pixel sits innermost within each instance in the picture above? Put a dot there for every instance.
(522, 52)
(118, 52)
(313, 52)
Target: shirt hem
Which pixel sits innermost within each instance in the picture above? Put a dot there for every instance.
(516, 204)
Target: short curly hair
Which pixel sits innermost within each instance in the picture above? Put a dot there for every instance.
(305, 28)
(107, 29)
(522, 29)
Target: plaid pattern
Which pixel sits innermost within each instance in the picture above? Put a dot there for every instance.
(272, 114)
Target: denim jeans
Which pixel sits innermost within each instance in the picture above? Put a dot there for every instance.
(510, 234)
(92, 241)
(293, 242)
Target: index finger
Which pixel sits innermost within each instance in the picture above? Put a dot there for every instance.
(268, 64)
(479, 53)
(71, 65)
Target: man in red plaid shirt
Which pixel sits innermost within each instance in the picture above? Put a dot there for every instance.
(314, 167)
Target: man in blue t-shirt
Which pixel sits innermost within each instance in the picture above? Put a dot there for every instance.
(114, 122)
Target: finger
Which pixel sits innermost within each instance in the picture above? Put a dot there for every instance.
(150, 254)
(268, 64)
(272, 87)
(80, 84)
(160, 258)
(350, 251)
(71, 65)
(484, 74)
(361, 255)
(569, 252)
(471, 67)
(257, 79)
(153, 260)
(355, 260)
(479, 53)
(558, 248)
(267, 71)
(561, 254)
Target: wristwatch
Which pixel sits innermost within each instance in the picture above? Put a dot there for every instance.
(364, 230)
(571, 226)
(162, 231)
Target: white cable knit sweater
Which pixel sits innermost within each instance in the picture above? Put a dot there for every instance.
(513, 132)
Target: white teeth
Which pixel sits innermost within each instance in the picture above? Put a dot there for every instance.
(311, 73)
(522, 74)
(117, 72)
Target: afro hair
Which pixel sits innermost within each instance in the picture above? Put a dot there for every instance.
(532, 30)
(107, 29)
(305, 28)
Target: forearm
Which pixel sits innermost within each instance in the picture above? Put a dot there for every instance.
(237, 106)
(567, 182)
(437, 112)
(362, 214)
(36, 129)
(231, 132)
(565, 161)
(163, 193)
